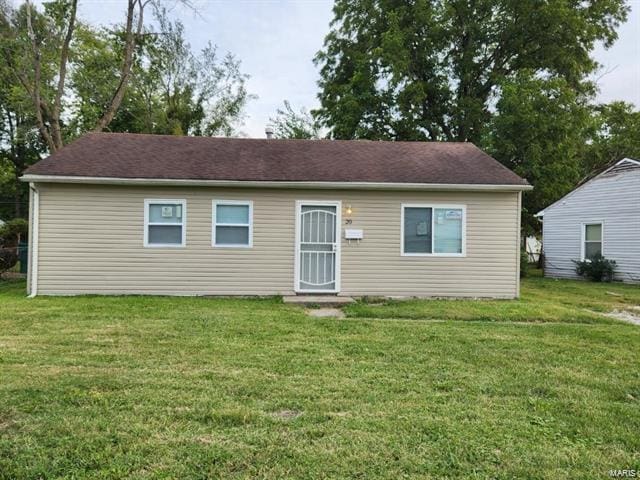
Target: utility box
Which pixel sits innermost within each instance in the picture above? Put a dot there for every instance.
(23, 256)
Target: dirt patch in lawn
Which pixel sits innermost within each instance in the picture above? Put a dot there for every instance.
(626, 316)
(325, 312)
(287, 414)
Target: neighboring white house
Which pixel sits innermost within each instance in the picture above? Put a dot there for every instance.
(600, 216)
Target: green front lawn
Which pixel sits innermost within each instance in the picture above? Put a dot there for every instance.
(541, 300)
(133, 387)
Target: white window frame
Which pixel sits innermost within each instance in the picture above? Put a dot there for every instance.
(433, 206)
(214, 223)
(172, 201)
(583, 237)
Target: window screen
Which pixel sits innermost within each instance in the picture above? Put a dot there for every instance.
(232, 224)
(417, 230)
(164, 223)
(592, 240)
(431, 230)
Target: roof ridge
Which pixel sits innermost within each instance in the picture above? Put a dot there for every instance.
(165, 135)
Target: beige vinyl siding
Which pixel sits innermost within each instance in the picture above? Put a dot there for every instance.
(91, 241)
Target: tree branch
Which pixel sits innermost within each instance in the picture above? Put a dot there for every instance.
(36, 82)
(64, 57)
(127, 63)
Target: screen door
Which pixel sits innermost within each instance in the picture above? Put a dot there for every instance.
(318, 244)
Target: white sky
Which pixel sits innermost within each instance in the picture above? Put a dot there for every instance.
(277, 39)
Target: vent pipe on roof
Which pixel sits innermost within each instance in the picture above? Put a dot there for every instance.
(269, 132)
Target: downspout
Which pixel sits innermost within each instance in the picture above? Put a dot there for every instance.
(518, 244)
(33, 237)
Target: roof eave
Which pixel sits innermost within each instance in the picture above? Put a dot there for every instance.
(270, 184)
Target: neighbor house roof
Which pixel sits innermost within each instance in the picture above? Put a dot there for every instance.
(166, 159)
(620, 167)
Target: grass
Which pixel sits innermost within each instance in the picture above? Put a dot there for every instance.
(542, 300)
(134, 387)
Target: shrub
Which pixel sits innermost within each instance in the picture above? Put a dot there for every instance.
(524, 263)
(10, 234)
(596, 268)
(8, 259)
(11, 231)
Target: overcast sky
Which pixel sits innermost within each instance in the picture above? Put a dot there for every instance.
(277, 39)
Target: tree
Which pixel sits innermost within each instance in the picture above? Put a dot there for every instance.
(616, 135)
(291, 124)
(98, 55)
(200, 94)
(38, 46)
(160, 86)
(539, 132)
(20, 144)
(172, 89)
(430, 70)
(10, 235)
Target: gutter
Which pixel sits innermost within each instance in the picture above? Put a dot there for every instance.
(35, 230)
(273, 184)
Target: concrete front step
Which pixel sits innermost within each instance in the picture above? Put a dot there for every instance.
(324, 300)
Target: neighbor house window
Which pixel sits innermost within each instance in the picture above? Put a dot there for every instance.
(164, 223)
(232, 223)
(592, 240)
(433, 230)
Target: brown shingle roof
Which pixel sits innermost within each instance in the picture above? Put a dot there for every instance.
(121, 155)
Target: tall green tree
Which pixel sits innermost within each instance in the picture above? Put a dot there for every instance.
(616, 135)
(39, 48)
(431, 69)
(201, 94)
(173, 90)
(20, 144)
(539, 132)
(289, 123)
(98, 56)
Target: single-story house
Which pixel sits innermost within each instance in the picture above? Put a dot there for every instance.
(169, 215)
(601, 216)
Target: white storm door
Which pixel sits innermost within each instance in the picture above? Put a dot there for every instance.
(318, 247)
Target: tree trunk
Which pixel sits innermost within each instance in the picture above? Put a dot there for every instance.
(17, 197)
(35, 94)
(56, 131)
(131, 38)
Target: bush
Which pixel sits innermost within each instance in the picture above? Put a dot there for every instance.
(11, 231)
(524, 263)
(8, 259)
(10, 234)
(596, 268)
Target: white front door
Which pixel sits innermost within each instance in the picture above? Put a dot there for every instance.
(317, 267)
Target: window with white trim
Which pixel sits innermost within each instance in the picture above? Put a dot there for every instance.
(164, 223)
(592, 236)
(433, 230)
(232, 223)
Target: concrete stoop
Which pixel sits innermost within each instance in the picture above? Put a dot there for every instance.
(319, 300)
